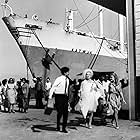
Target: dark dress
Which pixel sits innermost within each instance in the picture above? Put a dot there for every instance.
(114, 96)
(39, 94)
(20, 97)
(25, 90)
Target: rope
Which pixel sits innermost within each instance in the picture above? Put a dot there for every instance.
(93, 59)
(47, 51)
(114, 46)
(89, 20)
(27, 42)
(114, 34)
(97, 54)
(86, 18)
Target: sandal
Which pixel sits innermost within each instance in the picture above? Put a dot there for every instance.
(90, 127)
(117, 127)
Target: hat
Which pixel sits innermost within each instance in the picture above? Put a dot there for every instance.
(86, 71)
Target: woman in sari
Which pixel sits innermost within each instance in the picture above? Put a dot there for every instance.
(115, 97)
(88, 99)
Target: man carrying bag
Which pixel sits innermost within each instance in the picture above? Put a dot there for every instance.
(60, 89)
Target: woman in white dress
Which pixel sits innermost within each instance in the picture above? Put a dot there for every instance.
(88, 98)
(11, 94)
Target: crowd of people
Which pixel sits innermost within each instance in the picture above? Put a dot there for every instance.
(19, 92)
(12, 93)
(88, 95)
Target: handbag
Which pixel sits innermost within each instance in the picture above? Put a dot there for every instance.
(109, 110)
(77, 106)
(49, 107)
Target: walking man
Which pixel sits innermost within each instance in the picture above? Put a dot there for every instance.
(60, 89)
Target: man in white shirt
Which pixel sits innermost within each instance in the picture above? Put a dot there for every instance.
(48, 84)
(60, 89)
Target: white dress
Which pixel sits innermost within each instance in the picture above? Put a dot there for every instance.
(11, 93)
(89, 97)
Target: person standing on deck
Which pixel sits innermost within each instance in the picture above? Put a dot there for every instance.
(60, 89)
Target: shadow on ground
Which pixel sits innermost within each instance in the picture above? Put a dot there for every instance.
(38, 128)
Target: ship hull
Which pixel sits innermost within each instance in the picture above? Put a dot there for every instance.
(77, 62)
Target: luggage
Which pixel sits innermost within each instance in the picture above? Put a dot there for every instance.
(49, 107)
(104, 108)
(77, 107)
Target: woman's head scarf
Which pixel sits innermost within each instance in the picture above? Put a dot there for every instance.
(86, 71)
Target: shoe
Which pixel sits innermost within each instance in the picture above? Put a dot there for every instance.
(113, 124)
(117, 127)
(90, 127)
(25, 111)
(86, 125)
(64, 131)
(13, 111)
(58, 129)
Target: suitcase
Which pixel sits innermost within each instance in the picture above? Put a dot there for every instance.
(49, 107)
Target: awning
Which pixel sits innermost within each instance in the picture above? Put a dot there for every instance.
(118, 6)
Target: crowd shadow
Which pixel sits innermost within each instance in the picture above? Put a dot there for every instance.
(79, 122)
(73, 124)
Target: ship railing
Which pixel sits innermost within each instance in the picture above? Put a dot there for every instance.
(98, 37)
(114, 48)
(6, 6)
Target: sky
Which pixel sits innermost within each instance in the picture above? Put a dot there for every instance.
(12, 62)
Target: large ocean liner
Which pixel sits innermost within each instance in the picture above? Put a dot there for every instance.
(63, 47)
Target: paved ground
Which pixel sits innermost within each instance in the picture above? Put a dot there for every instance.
(36, 126)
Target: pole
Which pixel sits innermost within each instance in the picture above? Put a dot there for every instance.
(101, 21)
(27, 72)
(121, 28)
(131, 57)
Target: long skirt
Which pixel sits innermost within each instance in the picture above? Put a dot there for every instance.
(89, 102)
(115, 101)
(11, 96)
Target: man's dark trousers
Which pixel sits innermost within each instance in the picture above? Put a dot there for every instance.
(61, 103)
